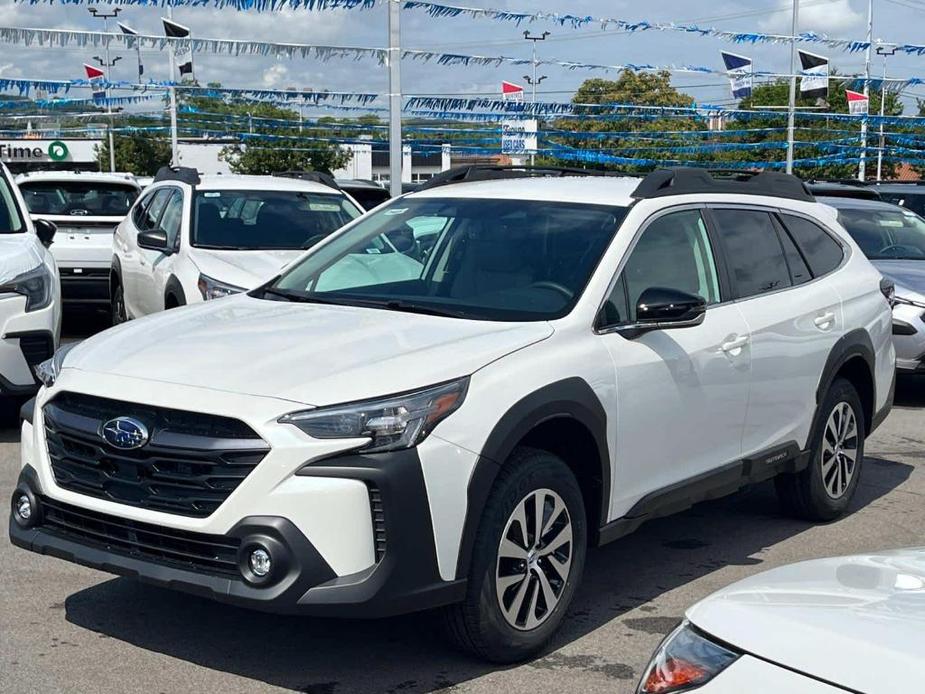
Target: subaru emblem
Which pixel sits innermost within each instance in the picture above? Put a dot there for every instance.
(125, 433)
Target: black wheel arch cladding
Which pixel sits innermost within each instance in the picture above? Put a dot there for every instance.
(174, 289)
(569, 400)
(855, 344)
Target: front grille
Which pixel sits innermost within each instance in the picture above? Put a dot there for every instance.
(375, 507)
(189, 466)
(36, 347)
(213, 554)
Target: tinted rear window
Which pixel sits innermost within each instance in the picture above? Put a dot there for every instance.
(822, 252)
(78, 198)
(754, 252)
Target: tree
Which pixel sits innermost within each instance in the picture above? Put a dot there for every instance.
(264, 159)
(629, 125)
(138, 154)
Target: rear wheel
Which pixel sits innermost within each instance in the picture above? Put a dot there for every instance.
(527, 561)
(117, 304)
(824, 489)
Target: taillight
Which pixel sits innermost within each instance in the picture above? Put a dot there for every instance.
(888, 289)
(685, 660)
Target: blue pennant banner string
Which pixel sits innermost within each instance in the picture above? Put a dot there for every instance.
(240, 5)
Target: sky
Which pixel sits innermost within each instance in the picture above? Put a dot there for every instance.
(894, 20)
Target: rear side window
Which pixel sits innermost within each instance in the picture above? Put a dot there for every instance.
(754, 252)
(799, 271)
(822, 252)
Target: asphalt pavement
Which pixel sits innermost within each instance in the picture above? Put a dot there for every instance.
(71, 629)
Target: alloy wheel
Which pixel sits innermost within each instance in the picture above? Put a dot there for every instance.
(534, 559)
(839, 450)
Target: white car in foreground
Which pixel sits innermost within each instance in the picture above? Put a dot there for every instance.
(846, 624)
(191, 238)
(30, 294)
(86, 208)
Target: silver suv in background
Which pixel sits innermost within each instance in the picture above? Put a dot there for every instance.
(893, 239)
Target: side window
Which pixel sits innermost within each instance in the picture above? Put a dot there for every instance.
(673, 252)
(153, 211)
(138, 213)
(753, 251)
(822, 252)
(170, 220)
(799, 272)
(615, 310)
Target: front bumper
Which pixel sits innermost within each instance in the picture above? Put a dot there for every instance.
(26, 339)
(403, 578)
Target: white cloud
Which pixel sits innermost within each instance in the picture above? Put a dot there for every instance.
(834, 18)
(276, 77)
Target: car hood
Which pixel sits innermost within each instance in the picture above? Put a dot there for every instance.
(308, 353)
(857, 621)
(247, 269)
(19, 253)
(908, 275)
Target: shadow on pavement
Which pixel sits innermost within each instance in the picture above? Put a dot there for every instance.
(324, 656)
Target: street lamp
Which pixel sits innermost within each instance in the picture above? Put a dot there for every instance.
(106, 16)
(885, 52)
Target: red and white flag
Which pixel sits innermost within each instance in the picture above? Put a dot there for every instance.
(96, 78)
(512, 91)
(858, 104)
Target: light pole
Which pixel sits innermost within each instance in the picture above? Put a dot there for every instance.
(534, 80)
(106, 16)
(885, 52)
(862, 166)
(394, 53)
(792, 103)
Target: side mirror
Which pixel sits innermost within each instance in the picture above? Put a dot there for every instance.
(45, 230)
(153, 240)
(661, 308)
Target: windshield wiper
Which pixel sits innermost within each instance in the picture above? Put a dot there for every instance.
(299, 297)
(395, 305)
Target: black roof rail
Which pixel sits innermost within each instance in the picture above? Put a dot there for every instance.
(490, 172)
(839, 181)
(688, 180)
(184, 174)
(323, 177)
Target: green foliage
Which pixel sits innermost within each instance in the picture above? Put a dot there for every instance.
(139, 154)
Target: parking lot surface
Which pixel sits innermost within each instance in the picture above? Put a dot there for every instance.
(67, 628)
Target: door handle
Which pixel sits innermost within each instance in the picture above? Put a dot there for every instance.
(825, 321)
(735, 344)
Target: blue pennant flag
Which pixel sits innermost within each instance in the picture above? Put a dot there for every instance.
(739, 69)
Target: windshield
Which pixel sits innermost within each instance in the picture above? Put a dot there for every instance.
(267, 219)
(483, 259)
(885, 234)
(82, 198)
(10, 219)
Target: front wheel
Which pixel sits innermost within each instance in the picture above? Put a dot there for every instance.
(824, 489)
(118, 306)
(527, 561)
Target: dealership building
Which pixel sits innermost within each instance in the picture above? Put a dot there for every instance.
(367, 162)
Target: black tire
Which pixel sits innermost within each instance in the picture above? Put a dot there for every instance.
(805, 494)
(478, 624)
(117, 306)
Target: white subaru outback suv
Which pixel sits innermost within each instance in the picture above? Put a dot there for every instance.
(190, 238)
(575, 356)
(30, 293)
(86, 208)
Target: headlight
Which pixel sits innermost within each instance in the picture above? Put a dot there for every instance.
(211, 288)
(686, 659)
(35, 285)
(399, 421)
(48, 370)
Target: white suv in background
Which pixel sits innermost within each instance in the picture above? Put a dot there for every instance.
(86, 208)
(30, 292)
(574, 355)
(191, 238)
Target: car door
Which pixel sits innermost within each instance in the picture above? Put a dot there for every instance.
(157, 265)
(143, 217)
(681, 393)
(794, 319)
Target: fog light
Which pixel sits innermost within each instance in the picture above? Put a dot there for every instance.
(24, 508)
(260, 562)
